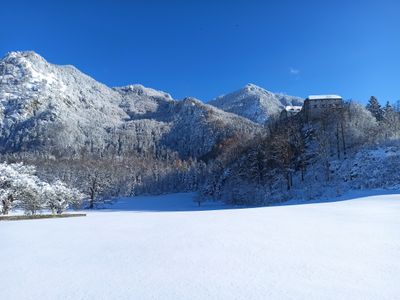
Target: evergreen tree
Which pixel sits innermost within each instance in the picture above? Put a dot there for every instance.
(388, 108)
(375, 108)
(391, 121)
(396, 106)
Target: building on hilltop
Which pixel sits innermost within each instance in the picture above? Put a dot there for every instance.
(316, 105)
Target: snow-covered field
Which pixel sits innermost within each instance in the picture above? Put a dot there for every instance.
(164, 248)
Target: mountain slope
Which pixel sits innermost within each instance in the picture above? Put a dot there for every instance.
(254, 103)
(142, 102)
(45, 108)
(196, 123)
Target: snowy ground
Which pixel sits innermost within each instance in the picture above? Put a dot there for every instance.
(164, 248)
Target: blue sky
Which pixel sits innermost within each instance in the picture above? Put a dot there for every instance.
(207, 48)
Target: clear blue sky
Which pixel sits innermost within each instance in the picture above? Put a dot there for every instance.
(207, 48)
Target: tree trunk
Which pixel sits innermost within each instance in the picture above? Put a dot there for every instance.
(91, 201)
(288, 180)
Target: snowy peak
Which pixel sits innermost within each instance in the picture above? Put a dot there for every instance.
(245, 92)
(43, 104)
(18, 56)
(27, 77)
(140, 90)
(251, 88)
(25, 66)
(254, 103)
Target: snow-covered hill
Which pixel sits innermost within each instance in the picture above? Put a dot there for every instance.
(59, 110)
(166, 248)
(254, 103)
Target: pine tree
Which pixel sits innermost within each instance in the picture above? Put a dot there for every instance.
(396, 106)
(375, 108)
(388, 109)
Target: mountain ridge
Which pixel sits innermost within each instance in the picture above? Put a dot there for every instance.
(46, 107)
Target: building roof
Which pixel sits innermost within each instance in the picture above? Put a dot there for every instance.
(323, 97)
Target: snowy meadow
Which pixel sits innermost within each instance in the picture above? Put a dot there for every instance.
(166, 247)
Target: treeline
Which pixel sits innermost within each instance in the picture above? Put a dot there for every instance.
(101, 178)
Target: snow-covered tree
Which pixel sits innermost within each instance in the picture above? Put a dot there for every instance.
(31, 195)
(19, 186)
(391, 122)
(12, 178)
(60, 197)
(375, 108)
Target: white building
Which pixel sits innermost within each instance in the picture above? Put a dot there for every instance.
(289, 111)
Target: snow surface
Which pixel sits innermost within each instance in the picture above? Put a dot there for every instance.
(164, 247)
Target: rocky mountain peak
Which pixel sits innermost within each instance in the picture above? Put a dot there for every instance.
(254, 103)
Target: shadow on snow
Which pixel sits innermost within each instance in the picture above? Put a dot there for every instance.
(181, 202)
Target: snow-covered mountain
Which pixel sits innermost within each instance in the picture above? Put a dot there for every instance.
(254, 103)
(44, 105)
(58, 109)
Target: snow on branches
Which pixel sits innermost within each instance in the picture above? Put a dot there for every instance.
(21, 188)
